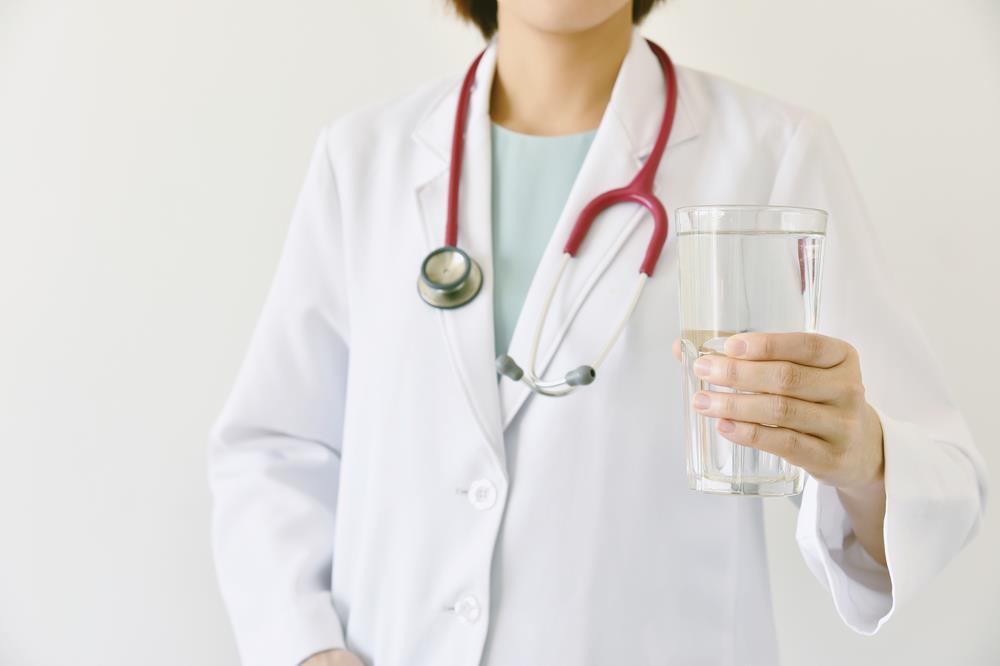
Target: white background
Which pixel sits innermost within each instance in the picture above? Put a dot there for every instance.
(150, 154)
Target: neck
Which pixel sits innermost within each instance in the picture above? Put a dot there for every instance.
(556, 83)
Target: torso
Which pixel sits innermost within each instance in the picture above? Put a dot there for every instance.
(594, 550)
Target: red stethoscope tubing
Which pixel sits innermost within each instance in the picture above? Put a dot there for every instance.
(639, 190)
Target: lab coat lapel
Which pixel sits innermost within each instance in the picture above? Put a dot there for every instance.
(467, 330)
(624, 138)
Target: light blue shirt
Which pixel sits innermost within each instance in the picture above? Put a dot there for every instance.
(532, 177)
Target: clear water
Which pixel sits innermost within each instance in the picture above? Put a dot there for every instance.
(732, 283)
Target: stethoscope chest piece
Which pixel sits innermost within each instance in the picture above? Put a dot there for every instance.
(449, 278)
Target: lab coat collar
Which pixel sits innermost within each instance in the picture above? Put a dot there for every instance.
(634, 101)
(624, 138)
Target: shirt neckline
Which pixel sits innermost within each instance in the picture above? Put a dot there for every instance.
(500, 129)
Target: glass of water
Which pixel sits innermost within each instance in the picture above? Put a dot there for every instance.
(742, 268)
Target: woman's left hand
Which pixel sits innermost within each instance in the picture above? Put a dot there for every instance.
(805, 403)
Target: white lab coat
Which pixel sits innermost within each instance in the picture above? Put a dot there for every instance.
(376, 486)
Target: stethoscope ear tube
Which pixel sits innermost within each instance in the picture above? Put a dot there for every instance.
(579, 376)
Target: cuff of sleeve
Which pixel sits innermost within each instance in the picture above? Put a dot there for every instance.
(295, 636)
(862, 589)
(921, 500)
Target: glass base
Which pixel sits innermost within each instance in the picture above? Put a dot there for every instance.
(767, 487)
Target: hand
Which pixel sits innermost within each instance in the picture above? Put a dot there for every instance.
(807, 404)
(333, 658)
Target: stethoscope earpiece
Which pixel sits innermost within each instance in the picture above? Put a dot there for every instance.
(509, 368)
(581, 376)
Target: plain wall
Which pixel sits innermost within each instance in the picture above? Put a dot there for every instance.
(150, 154)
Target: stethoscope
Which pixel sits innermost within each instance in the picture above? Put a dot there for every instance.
(450, 278)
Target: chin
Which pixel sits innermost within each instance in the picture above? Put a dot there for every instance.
(565, 16)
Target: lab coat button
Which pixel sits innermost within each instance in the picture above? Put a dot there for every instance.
(467, 608)
(482, 494)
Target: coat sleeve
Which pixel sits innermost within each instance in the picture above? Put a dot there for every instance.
(935, 479)
(274, 455)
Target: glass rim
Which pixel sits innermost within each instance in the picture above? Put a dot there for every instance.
(750, 219)
(758, 207)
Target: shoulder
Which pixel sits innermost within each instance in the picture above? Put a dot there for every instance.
(386, 127)
(737, 114)
(740, 113)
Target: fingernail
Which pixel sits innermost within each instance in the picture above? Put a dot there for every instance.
(726, 426)
(701, 400)
(703, 367)
(735, 347)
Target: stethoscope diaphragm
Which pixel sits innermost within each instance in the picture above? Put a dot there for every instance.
(449, 278)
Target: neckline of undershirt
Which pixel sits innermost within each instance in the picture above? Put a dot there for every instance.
(575, 136)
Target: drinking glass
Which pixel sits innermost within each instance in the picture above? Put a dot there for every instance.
(742, 268)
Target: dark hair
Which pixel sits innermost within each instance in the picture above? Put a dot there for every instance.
(484, 12)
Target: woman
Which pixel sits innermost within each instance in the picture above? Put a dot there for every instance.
(382, 498)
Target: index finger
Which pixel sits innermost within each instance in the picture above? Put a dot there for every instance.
(813, 349)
